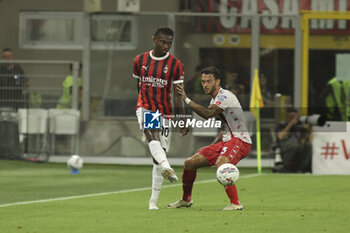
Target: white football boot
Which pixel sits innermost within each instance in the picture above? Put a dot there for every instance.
(169, 174)
(180, 203)
(232, 206)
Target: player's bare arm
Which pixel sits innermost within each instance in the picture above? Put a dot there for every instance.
(138, 85)
(206, 113)
(180, 109)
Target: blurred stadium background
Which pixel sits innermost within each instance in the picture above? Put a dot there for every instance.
(238, 36)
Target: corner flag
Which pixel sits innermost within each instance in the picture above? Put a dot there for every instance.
(256, 102)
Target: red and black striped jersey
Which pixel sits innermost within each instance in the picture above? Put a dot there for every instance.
(156, 76)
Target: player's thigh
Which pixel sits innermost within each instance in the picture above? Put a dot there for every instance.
(211, 152)
(165, 136)
(139, 115)
(150, 134)
(196, 161)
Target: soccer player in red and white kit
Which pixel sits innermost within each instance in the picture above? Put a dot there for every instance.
(157, 71)
(231, 145)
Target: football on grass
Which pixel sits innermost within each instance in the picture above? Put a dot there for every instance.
(75, 162)
(227, 174)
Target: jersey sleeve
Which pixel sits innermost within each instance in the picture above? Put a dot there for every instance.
(225, 101)
(179, 73)
(136, 73)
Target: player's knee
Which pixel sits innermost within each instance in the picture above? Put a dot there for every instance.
(190, 164)
(221, 160)
(151, 135)
(218, 164)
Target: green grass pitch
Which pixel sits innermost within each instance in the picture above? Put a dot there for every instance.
(32, 201)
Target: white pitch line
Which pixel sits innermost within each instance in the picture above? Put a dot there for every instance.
(109, 193)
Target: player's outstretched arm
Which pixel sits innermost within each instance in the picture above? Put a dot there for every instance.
(204, 112)
(180, 109)
(138, 86)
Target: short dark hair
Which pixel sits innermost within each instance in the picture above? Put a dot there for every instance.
(164, 30)
(7, 50)
(212, 70)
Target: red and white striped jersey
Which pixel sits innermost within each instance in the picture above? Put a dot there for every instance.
(156, 76)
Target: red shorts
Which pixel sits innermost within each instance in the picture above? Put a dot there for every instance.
(234, 150)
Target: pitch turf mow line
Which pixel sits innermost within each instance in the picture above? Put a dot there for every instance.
(109, 193)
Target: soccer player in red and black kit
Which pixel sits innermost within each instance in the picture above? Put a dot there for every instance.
(231, 145)
(157, 71)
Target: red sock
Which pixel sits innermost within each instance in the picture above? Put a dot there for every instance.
(188, 178)
(231, 192)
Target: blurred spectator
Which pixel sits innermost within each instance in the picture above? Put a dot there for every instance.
(12, 82)
(242, 95)
(335, 99)
(240, 89)
(293, 144)
(194, 86)
(266, 93)
(66, 99)
(230, 81)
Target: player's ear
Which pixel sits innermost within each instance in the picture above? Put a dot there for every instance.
(218, 81)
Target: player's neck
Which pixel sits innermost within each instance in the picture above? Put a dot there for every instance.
(215, 93)
(157, 54)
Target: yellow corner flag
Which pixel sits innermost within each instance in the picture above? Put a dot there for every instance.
(256, 102)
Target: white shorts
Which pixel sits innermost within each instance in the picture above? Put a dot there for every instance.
(164, 132)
